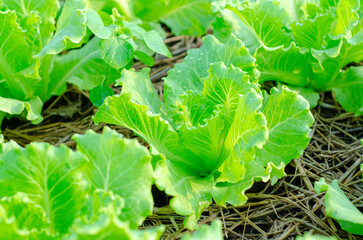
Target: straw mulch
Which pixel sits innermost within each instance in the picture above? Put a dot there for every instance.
(289, 208)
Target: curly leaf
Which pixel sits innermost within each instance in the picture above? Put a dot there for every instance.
(37, 17)
(27, 214)
(234, 193)
(288, 121)
(9, 227)
(329, 65)
(49, 176)
(121, 166)
(346, 18)
(15, 56)
(247, 132)
(312, 33)
(265, 21)
(188, 75)
(288, 65)
(122, 111)
(142, 92)
(106, 225)
(229, 23)
(308, 93)
(348, 90)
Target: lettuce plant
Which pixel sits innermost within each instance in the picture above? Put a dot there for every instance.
(31, 71)
(305, 44)
(217, 131)
(103, 189)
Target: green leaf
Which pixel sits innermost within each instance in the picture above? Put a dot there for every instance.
(154, 41)
(9, 227)
(339, 207)
(234, 193)
(328, 65)
(108, 226)
(302, 43)
(71, 26)
(295, 9)
(312, 10)
(95, 24)
(312, 33)
(346, 18)
(288, 121)
(192, 109)
(116, 51)
(348, 90)
(217, 131)
(102, 220)
(143, 57)
(230, 23)
(212, 232)
(49, 176)
(203, 143)
(247, 132)
(265, 21)
(142, 92)
(37, 17)
(27, 214)
(99, 201)
(98, 94)
(188, 75)
(16, 56)
(11, 106)
(191, 194)
(83, 67)
(33, 108)
(189, 17)
(9, 146)
(225, 85)
(135, 29)
(120, 110)
(121, 166)
(308, 93)
(288, 65)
